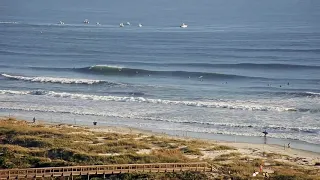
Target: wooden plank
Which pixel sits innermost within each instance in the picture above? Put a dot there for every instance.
(102, 169)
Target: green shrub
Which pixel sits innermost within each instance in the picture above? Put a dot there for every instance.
(30, 141)
(191, 151)
(284, 177)
(219, 148)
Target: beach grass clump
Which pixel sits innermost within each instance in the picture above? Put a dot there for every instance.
(242, 169)
(228, 156)
(30, 141)
(219, 148)
(286, 170)
(190, 150)
(272, 155)
(169, 155)
(169, 142)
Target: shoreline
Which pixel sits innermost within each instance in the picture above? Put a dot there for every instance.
(301, 157)
(219, 138)
(129, 130)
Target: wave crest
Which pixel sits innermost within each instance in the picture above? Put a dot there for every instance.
(56, 80)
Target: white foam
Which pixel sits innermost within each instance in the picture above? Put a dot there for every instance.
(107, 66)
(14, 92)
(313, 93)
(229, 104)
(8, 22)
(54, 80)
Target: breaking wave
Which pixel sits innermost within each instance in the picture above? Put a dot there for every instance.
(113, 70)
(57, 80)
(223, 104)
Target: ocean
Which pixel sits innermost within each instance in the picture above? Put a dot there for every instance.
(238, 69)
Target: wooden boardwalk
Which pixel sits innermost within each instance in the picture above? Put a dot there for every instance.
(71, 171)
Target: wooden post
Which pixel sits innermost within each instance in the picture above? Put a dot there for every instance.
(88, 176)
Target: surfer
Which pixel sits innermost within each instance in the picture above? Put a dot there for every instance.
(265, 133)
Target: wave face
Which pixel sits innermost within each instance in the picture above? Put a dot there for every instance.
(200, 65)
(57, 80)
(120, 71)
(111, 70)
(224, 104)
(250, 66)
(234, 66)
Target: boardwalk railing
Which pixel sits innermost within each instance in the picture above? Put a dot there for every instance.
(70, 171)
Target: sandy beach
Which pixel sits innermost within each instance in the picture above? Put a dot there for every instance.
(303, 158)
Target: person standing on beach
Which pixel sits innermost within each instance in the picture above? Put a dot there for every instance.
(34, 119)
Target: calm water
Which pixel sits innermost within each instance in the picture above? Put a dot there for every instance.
(241, 67)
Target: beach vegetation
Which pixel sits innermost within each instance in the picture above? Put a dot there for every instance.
(219, 148)
(28, 145)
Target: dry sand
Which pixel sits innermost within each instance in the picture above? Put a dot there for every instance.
(292, 156)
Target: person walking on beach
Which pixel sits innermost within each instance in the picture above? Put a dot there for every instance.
(34, 119)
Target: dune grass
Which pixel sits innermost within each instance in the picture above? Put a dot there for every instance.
(29, 145)
(25, 145)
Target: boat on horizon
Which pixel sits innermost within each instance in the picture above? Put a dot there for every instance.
(183, 25)
(121, 25)
(86, 21)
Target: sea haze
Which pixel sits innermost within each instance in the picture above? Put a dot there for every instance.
(239, 68)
